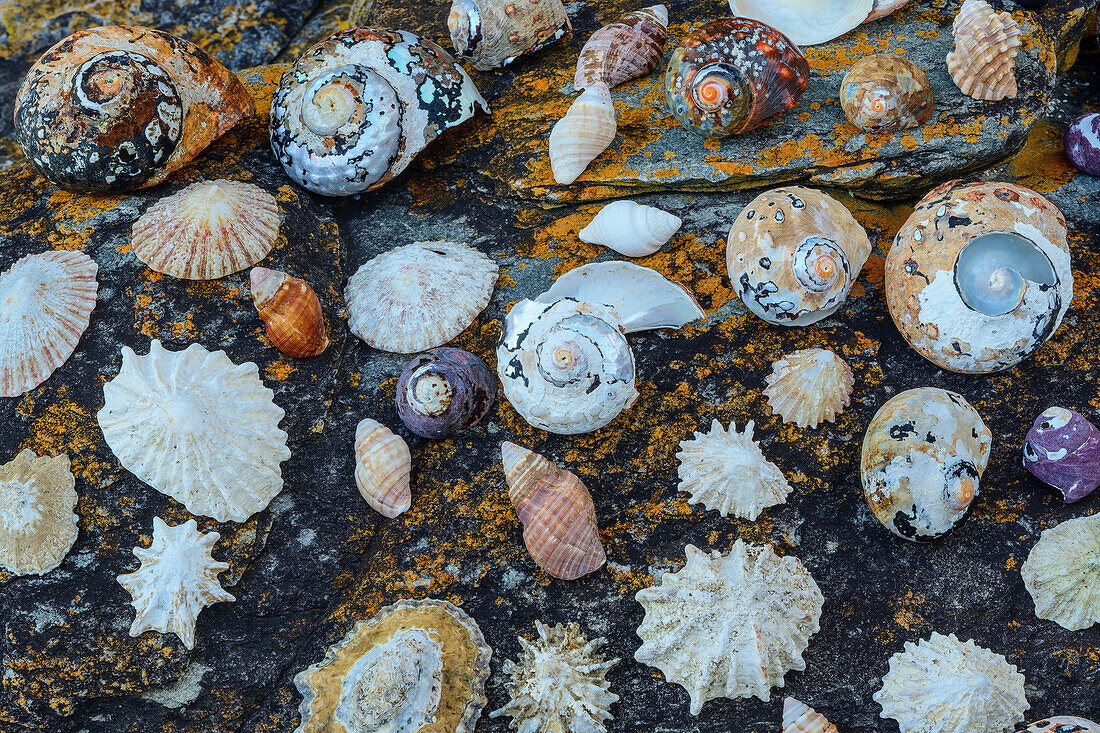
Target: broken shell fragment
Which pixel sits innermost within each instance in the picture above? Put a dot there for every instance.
(885, 92)
(382, 467)
(37, 521)
(587, 130)
(809, 386)
(290, 311)
(1062, 724)
(1062, 573)
(493, 33)
(444, 392)
(629, 48)
(986, 43)
(801, 718)
(806, 22)
(631, 229)
(1063, 450)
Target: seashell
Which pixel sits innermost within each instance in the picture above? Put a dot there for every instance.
(493, 33)
(1062, 573)
(565, 366)
(46, 302)
(558, 683)
(178, 577)
(444, 392)
(382, 467)
(806, 22)
(419, 296)
(986, 43)
(1063, 450)
(923, 455)
(644, 299)
(587, 129)
(290, 311)
(556, 510)
(165, 410)
(729, 625)
(37, 522)
(1083, 143)
(123, 107)
(356, 108)
(801, 718)
(882, 8)
(885, 92)
(726, 471)
(809, 386)
(416, 665)
(944, 685)
(979, 276)
(730, 75)
(208, 230)
(793, 254)
(631, 229)
(629, 48)
(1062, 724)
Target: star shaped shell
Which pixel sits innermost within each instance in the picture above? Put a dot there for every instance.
(727, 472)
(37, 523)
(809, 386)
(165, 410)
(729, 625)
(419, 296)
(1062, 573)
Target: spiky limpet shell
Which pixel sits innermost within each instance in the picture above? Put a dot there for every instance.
(1062, 573)
(808, 386)
(37, 523)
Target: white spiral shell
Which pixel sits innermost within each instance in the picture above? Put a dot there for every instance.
(630, 228)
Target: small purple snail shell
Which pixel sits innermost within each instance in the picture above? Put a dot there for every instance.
(444, 392)
(1083, 143)
(1063, 449)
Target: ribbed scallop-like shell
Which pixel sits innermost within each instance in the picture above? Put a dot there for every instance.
(46, 301)
(1062, 573)
(986, 43)
(556, 510)
(494, 33)
(629, 48)
(1062, 724)
(885, 92)
(37, 522)
(726, 471)
(587, 130)
(942, 685)
(382, 467)
(419, 296)
(290, 311)
(631, 229)
(808, 386)
(799, 717)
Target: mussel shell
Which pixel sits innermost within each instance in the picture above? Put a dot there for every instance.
(444, 392)
(886, 92)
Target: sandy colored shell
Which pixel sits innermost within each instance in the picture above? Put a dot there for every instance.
(809, 386)
(37, 522)
(729, 625)
(419, 296)
(942, 685)
(494, 33)
(382, 467)
(46, 302)
(885, 92)
(629, 48)
(986, 43)
(799, 717)
(630, 228)
(1062, 573)
(727, 472)
(290, 311)
(586, 130)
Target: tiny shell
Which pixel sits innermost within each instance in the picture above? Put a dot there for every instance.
(1063, 449)
(629, 48)
(986, 43)
(382, 467)
(587, 130)
(290, 311)
(809, 386)
(37, 523)
(885, 92)
(1062, 724)
(493, 33)
(1062, 573)
(556, 510)
(806, 22)
(631, 229)
(801, 718)
(444, 392)
(1083, 143)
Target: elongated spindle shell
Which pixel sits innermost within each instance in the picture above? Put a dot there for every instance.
(382, 467)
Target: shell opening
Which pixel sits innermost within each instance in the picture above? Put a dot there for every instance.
(992, 271)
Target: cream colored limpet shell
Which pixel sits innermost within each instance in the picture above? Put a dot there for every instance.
(37, 523)
(1062, 573)
(809, 386)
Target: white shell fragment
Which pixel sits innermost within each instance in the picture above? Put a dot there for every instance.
(178, 578)
(37, 523)
(806, 22)
(809, 386)
(587, 130)
(729, 625)
(419, 296)
(165, 413)
(631, 229)
(1062, 573)
(382, 467)
(727, 472)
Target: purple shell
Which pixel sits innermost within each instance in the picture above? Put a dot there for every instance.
(1061, 724)
(1083, 143)
(444, 392)
(1063, 449)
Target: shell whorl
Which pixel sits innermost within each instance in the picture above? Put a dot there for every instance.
(986, 43)
(820, 266)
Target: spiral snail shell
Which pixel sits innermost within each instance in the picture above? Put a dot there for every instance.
(885, 92)
(444, 392)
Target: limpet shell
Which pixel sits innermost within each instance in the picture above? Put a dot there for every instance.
(1062, 573)
(37, 521)
(809, 386)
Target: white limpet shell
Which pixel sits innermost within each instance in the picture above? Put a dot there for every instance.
(46, 301)
(727, 472)
(630, 228)
(419, 296)
(587, 130)
(165, 411)
(559, 683)
(942, 685)
(808, 386)
(178, 578)
(983, 62)
(798, 717)
(729, 625)
(1062, 573)
(643, 298)
(382, 467)
(806, 22)
(37, 523)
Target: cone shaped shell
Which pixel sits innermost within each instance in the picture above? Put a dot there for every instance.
(382, 467)
(801, 718)
(984, 60)
(587, 129)
(631, 229)
(626, 49)
(808, 386)
(291, 312)
(1062, 573)
(37, 523)
(494, 33)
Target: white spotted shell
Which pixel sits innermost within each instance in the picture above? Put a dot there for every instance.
(37, 523)
(630, 228)
(808, 386)
(1062, 573)
(986, 43)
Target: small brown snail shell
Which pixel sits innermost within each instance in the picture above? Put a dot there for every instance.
(291, 312)
(886, 92)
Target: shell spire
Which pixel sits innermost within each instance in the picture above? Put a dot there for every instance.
(290, 311)
(587, 130)
(382, 467)
(986, 43)
(799, 717)
(626, 49)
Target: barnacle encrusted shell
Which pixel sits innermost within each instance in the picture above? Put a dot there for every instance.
(208, 230)
(1062, 573)
(986, 43)
(566, 366)
(586, 130)
(122, 107)
(414, 664)
(1062, 724)
(494, 33)
(923, 455)
(290, 311)
(808, 386)
(727, 472)
(793, 254)
(727, 77)
(729, 625)
(1063, 449)
(629, 48)
(806, 22)
(419, 296)
(798, 717)
(558, 684)
(630, 228)
(444, 392)
(37, 522)
(178, 577)
(356, 108)
(942, 685)
(979, 276)
(165, 410)
(46, 302)
(382, 467)
(556, 510)
(885, 92)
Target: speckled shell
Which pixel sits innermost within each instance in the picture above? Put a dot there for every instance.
(885, 92)
(1083, 143)
(413, 662)
(586, 130)
(1063, 449)
(986, 43)
(37, 522)
(730, 75)
(629, 48)
(799, 717)
(1062, 724)
(493, 33)
(444, 392)
(923, 455)
(290, 311)
(630, 228)
(793, 254)
(808, 386)
(923, 272)
(382, 467)
(1062, 573)
(356, 108)
(806, 22)
(122, 107)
